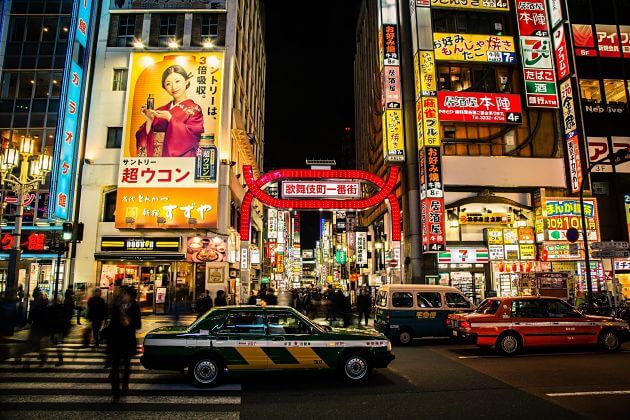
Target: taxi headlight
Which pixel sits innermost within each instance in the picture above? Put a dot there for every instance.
(389, 345)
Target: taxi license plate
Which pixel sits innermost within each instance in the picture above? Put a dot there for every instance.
(454, 333)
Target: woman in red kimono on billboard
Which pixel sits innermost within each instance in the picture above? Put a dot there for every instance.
(174, 129)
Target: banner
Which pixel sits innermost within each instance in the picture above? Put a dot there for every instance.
(563, 66)
(499, 108)
(491, 5)
(474, 48)
(174, 98)
(570, 127)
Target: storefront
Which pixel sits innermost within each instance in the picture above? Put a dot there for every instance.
(466, 269)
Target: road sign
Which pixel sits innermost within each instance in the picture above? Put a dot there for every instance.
(611, 253)
(611, 245)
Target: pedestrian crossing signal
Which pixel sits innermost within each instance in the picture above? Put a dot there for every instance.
(66, 233)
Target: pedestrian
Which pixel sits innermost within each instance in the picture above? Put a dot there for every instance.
(68, 303)
(338, 303)
(39, 325)
(203, 304)
(220, 299)
(96, 314)
(346, 309)
(364, 306)
(252, 298)
(59, 314)
(329, 299)
(121, 345)
(270, 297)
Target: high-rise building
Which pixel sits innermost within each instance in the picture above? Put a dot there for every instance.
(468, 97)
(176, 110)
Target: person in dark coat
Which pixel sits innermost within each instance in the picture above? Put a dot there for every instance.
(220, 300)
(364, 306)
(270, 297)
(252, 298)
(59, 314)
(121, 345)
(338, 303)
(39, 325)
(331, 313)
(96, 314)
(204, 304)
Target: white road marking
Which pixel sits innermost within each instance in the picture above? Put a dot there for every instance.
(132, 399)
(587, 393)
(536, 355)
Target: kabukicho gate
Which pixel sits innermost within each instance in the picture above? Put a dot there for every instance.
(382, 190)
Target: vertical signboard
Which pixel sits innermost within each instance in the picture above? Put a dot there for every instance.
(393, 130)
(536, 54)
(173, 103)
(570, 130)
(67, 138)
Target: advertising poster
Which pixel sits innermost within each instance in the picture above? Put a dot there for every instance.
(205, 249)
(491, 5)
(607, 41)
(499, 108)
(561, 214)
(474, 48)
(108, 275)
(173, 99)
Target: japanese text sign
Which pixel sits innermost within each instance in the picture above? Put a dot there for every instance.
(393, 135)
(320, 189)
(492, 5)
(474, 48)
(561, 214)
(569, 123)
(532, 18)
(479, 107)
(561, 52)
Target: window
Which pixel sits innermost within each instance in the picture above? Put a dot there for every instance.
(168, 28)
(560, 309)
(402, 300)
(381, 298)
(590, 90)
(476, 78)
(286, 323)
(209, 25)
(455, 300)
(429, 300)
(114, 137)
(615, 91)
(109, 208)
(528, 309)
(120, 79)
(244, 323)
(125, 30)
(488, 306)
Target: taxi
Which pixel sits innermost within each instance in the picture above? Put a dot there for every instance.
(513, 323)
(247, 337)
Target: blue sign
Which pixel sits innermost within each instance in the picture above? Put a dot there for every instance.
(206, 164)
(70, 115)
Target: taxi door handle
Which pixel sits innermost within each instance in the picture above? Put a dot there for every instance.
(278, 338)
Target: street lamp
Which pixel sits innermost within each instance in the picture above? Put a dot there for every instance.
(32, 170)
(620, 156)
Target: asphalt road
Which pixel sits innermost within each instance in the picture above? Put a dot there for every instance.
(433, 379)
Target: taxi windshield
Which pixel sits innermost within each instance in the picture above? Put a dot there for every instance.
(488, 306)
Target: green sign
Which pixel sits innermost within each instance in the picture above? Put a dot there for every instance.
(542, 88)
(264, 280)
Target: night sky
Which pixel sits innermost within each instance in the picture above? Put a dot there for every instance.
(310, 86)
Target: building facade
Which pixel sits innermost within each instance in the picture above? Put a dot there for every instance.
(176, 109)
(469, 98)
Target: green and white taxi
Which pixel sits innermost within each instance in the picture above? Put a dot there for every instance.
(263, 338)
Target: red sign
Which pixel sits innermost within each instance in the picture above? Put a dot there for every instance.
(29, 242)
(532, 17)
(432, 218)
(537, 75)
(625, 40)
(584, 41)
(607, 41)
(562, 55)
(479, 107)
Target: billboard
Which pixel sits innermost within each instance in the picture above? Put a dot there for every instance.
(491, 5)
(499, 108)
(560, 214)
(174, 99)
(474, 48)
(166, 4)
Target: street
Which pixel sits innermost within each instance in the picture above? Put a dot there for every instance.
(433, 378)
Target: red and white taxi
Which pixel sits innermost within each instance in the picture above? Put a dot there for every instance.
(513, 323)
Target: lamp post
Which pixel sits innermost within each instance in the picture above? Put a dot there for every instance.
(620, 156)
(32, 170)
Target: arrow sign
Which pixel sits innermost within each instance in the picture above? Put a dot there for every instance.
(611, 245)
(611, 253)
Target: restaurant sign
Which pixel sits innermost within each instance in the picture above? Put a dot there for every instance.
(480, 107)
(138, 243)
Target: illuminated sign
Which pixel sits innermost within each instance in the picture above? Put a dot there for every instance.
(479, 107)
(560, 251)
(320, 189)
(532, 18)
(607, 41)
(361, 249)
(463, 256)
(164, 125)
(511, 243)
(394, 136)
(471, 218)
(30, 241)
(70, 114)
(561, 214)
(561, 52)
(569, 123)
(474, 48)
(137, 243)
(583, 40)
(206, 249)
(392, 97)
(555, 12)
(493, 5)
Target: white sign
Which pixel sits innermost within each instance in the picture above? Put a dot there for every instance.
(272, 223)
(361, 248)
(611, 253)
(320, 189)
(243, 258)
(254, 256)
(622, 264)
(611, 245)
(555, 12)
(496, 252)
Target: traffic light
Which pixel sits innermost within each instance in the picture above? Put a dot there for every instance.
(66, 233)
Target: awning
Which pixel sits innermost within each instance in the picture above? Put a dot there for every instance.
(139, 256)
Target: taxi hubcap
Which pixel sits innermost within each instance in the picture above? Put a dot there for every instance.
(356, 367)
(205, 371)
(610, 340)
(509, 344)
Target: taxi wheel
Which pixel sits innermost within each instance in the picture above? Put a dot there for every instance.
(509, 344)
(404, 337)
(205, 371)
(355, 368)
(609, 340)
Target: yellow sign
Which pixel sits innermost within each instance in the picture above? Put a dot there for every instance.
(416, 75)
(494, 5)
(426, 315)
(474, 48)
(419, 128)
(173, 98)
(527, 251)
(427, 70)
(395, 138)
(495, 236)
(431, 122)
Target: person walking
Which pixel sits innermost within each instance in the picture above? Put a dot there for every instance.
(203, 304)
(121, 345)
(329, 298)
(96, 314)
(364, 306)
(270, 297)
(39, 326)
(252, 298)
(220, 299)
(59, 315)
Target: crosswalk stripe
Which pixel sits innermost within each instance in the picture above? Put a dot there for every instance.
(130, 399)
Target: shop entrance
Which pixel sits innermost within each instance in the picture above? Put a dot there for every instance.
(470, 279)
